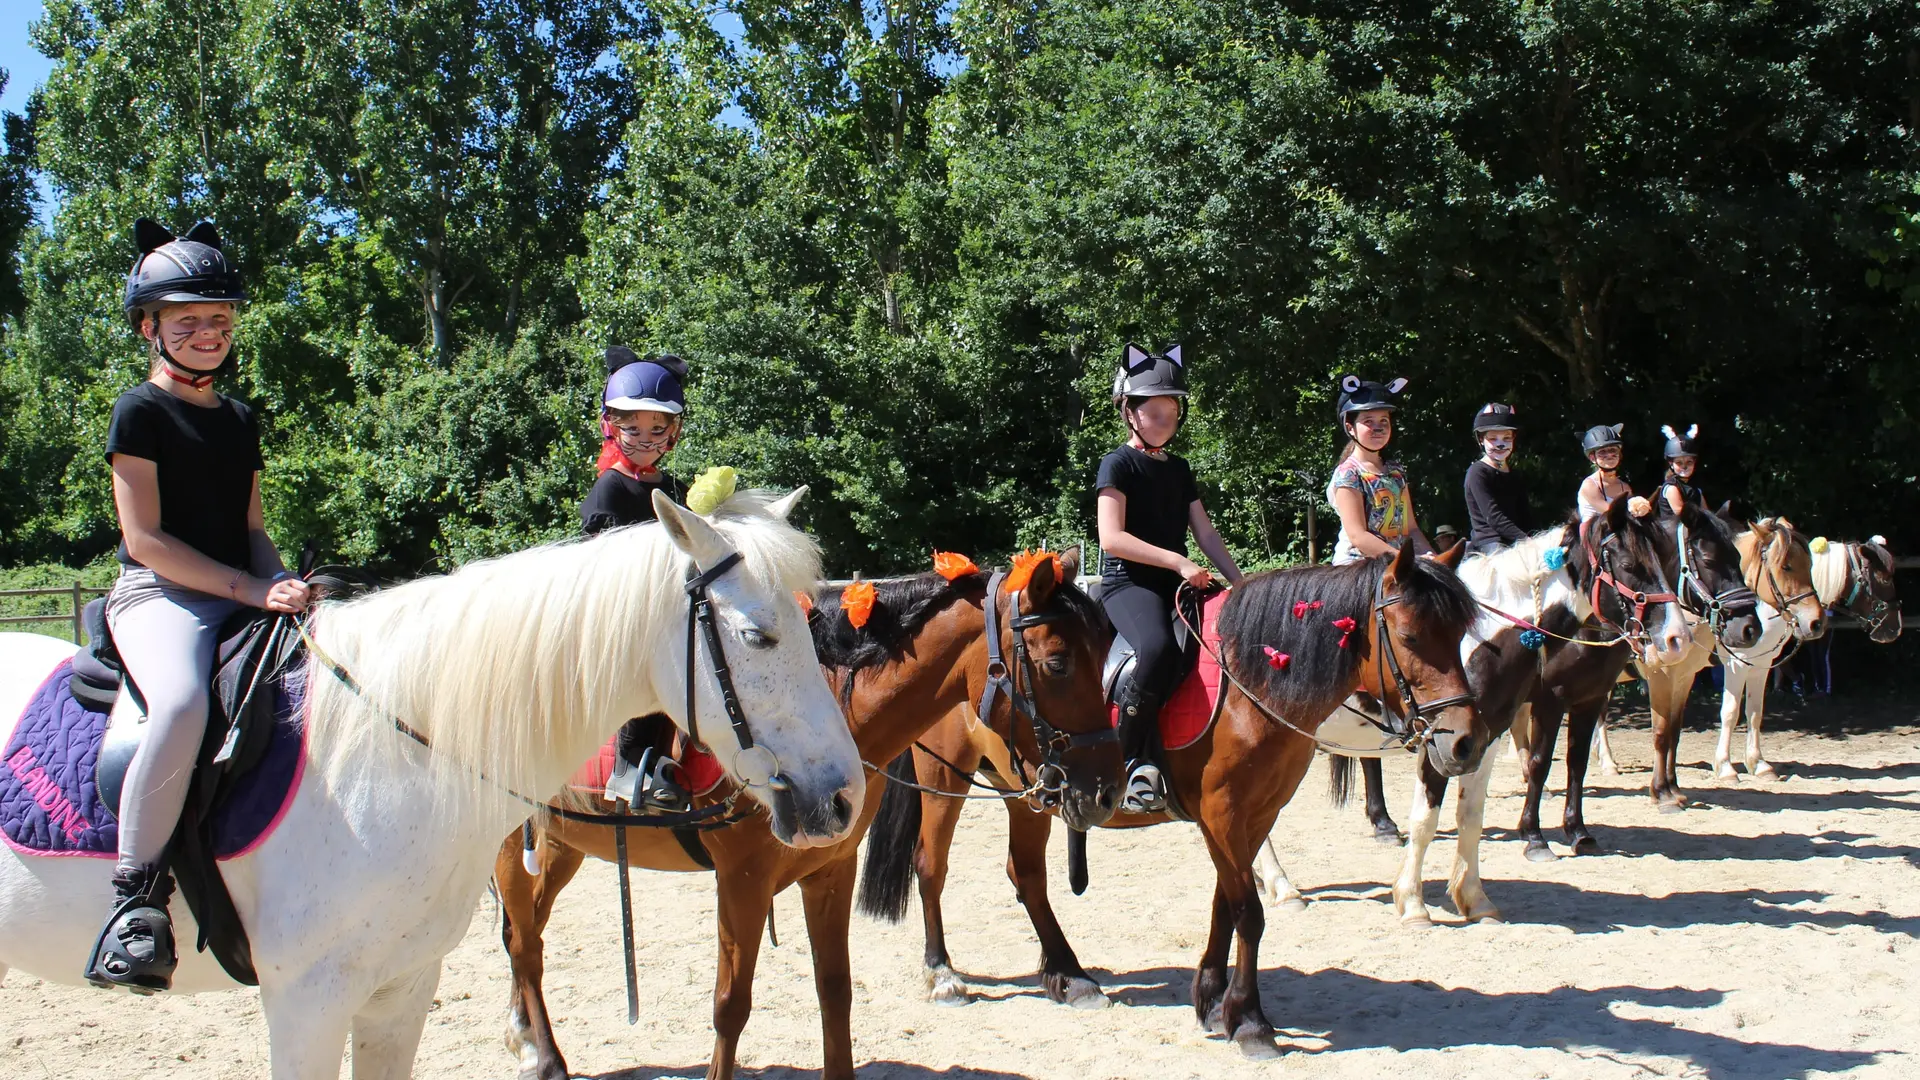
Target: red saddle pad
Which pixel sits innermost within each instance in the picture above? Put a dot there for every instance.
(699, 769)
(1185, 716)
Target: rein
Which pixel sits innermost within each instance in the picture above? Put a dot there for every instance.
(1413, 731)
(1634, 627)
(706, 819)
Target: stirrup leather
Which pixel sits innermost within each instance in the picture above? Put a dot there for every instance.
(135, 948)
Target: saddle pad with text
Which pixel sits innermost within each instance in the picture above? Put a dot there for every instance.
(49, 805)
(1185, 716)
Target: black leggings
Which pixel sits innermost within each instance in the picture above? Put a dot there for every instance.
(1143, 617)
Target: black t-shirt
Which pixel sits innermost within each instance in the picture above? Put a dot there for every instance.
(1496, 507)
(205, 458)
(1159, 491)
(618, 499)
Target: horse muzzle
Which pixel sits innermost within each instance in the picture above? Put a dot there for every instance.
(812, 815)
(1456, 752)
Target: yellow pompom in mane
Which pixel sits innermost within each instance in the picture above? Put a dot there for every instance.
(715, 486)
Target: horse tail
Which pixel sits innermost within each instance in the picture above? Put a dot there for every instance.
(1339, 780)
(891, 841)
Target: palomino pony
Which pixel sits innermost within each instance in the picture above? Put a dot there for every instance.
(1565, 585)
(511, 672)
(922, 655)
(1407, 615)
(1777, 566)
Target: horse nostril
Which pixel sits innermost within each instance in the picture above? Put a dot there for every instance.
(842, 809)
(1107, 798)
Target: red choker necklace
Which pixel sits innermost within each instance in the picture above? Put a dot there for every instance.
(198, 382)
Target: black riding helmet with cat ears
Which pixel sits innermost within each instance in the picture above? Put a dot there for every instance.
(1146, 374)
(190, 269)
(1601, 436)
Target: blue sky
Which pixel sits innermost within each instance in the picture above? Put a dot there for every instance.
(25, 67)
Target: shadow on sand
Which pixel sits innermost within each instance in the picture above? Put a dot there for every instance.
(1352, 1012)
(870, 1070)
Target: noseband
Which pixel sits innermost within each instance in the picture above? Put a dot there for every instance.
(1859, 580)
(1781, 600)
(1635, 627)
(1714, 607)
(1415, 727)
(1050, 775)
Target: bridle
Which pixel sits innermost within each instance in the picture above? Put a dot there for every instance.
(1634, 627)
(1860, 579)
(1415, 730)
(1050, 774)
(1781, 601)
(754, 765)
(1714, 607)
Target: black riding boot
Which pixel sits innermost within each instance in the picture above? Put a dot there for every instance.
(135, 949)
(1146, 791)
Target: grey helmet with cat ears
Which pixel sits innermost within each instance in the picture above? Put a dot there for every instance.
(1365, 395)
(1680, 445)
(190, 269)
(1146, 374)
(1601, 436)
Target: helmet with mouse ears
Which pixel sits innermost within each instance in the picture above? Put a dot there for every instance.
(1145, 374)
(1359, 395)
(1680, 445)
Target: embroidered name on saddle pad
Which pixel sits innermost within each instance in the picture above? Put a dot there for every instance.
(49, 805)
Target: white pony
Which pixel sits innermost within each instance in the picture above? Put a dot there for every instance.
(1515, 580)
(515, 670)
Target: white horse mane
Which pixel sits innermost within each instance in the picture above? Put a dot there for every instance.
(1508, 578)
(515, 668)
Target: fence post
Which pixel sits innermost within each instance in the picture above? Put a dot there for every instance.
(76, 612)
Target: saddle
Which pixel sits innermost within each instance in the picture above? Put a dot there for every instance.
(1193, 700)
(256, 651)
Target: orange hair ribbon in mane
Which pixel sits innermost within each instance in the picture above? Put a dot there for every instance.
(953, 565)
(1026, 562)
(857, 601)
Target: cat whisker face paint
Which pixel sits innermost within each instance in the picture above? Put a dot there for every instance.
(196, 336)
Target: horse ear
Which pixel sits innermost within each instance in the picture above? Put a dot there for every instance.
(1041, 583)
(1070, 562)
(149, 234)
(689, 531)
(1450, 558)
(1402, 564)
(1619, 515)
(782, 507)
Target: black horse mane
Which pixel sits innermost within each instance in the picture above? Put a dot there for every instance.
(1261, 614)
(903, 607)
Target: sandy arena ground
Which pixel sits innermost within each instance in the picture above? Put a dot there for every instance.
(1771, 934)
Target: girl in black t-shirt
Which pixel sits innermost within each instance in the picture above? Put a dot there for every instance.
(1681, 484)
(1147, 502)
(194, 549)
(640, 419)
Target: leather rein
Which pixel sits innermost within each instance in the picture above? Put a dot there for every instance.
(1634, 627)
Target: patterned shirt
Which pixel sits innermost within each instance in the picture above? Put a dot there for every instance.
(1383, 493)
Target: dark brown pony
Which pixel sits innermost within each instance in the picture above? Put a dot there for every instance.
(921, 657)
(1234, 779)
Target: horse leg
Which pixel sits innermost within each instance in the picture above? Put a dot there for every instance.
(386, 1032)
(828, 895)
(1240, 1015)
(1668, 701)
(1210, 976)
(1603, 745)
(1753, 694)
(1581, 720)
(1384, 830)
(308, 1021)
(1469, 896)
(745, 899)
(938, 819)
(1429, 788)
(526, 903)
(1545, 731)
(1275, 886)
(1061, 975)
(1729, 719)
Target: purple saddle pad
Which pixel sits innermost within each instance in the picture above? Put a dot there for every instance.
(50, 806)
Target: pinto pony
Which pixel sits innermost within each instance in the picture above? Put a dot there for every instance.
(510, 672)
(921, 655)
(1373, 617)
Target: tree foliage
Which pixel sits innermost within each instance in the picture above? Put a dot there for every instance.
(902, 243)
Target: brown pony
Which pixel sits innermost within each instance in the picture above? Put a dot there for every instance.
(1409, 614)
(921, 656)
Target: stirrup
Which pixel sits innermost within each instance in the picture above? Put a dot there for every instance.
(1146, 791)
(659, 791)
(135, 948)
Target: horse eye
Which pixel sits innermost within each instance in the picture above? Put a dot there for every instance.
(1410, 640)
(1058, 665)
(757, 638)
